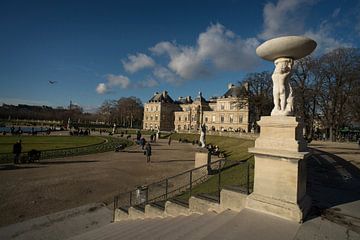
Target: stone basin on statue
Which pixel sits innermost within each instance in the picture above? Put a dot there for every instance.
(294, 47)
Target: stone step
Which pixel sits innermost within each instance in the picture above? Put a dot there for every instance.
(253, 225)
(188, 228)
(136, 212)
(171, 228)
(141, 226)
(167, 226)
(176, 208)
(204, 204)
(154, 210)
(233, 198)
(117, 229)
(215, 223)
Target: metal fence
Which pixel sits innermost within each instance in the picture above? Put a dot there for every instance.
(180, 187)
(108, 145)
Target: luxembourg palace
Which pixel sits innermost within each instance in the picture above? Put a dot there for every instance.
(229, 112)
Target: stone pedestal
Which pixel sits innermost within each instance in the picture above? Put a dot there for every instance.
(280, 169)
(202, 157)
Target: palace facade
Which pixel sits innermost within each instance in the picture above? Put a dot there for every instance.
(229, 112)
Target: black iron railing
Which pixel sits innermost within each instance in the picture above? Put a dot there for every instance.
(109, 144)
(186, 184)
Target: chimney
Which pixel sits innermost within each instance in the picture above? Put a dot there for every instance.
(156, 93)
(164, 93)
(230, 85)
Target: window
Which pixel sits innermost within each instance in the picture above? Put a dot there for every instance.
(157, 108)
(222, 107)
(222, 118)
(156, 117)
(147, 109)
(151, 118)
(152, 109)
(213, 118)
(179, 127)
(185, 127)
(147, 117)
(206, 119)
(231, 118)
(145, 125)
(179, 118)
(240, 119)
(185, 119)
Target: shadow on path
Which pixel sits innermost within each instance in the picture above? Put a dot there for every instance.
(170, 161)
(16, 167)
(67, 162)
(334, 186)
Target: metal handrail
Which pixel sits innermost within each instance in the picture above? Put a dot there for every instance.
(166, 192)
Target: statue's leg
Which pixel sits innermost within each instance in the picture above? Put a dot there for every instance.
(282, 94)
(276, 98)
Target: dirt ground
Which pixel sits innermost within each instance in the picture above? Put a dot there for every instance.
(33, 190)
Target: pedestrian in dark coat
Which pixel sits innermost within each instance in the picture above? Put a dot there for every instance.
(17, 151)
(169, 140)
(142, 143)
(148, 152)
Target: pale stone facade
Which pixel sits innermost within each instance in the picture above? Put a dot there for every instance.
(229, 112)
(159, 112)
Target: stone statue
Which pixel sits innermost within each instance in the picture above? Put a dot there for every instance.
(157, 134)
(203, 135)
(114, 128)
(68, 124)
(283, 51)
(282, 91)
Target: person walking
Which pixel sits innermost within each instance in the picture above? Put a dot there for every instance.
(169, 140)
(17, 151)
(148, 152)
(142, 143)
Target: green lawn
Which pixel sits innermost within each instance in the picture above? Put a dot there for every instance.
(236, 149)
(47, 142)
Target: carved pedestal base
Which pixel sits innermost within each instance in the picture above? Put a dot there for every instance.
(280, 169)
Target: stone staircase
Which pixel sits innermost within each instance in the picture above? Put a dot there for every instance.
(172, 208)
(172, 219)
(194, 226)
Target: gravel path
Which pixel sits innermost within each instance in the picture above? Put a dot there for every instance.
(32, 190)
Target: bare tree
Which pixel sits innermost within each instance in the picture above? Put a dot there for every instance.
(306, 82)
(259, 94)
(340, 75)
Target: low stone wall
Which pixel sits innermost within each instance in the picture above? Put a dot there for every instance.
(250, 136)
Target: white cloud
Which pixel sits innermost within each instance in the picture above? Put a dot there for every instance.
(226, 50)
(101, 88)
(284, 18)
(137, 62)
(165, 47)
(325, 42)
(118, 80)
(217, 49)
(113, 81)
(149, 83)
(336, 12)
(165, 74)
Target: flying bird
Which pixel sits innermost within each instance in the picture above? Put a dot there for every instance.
(52, 82)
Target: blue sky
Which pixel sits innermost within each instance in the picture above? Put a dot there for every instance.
(98, 50)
